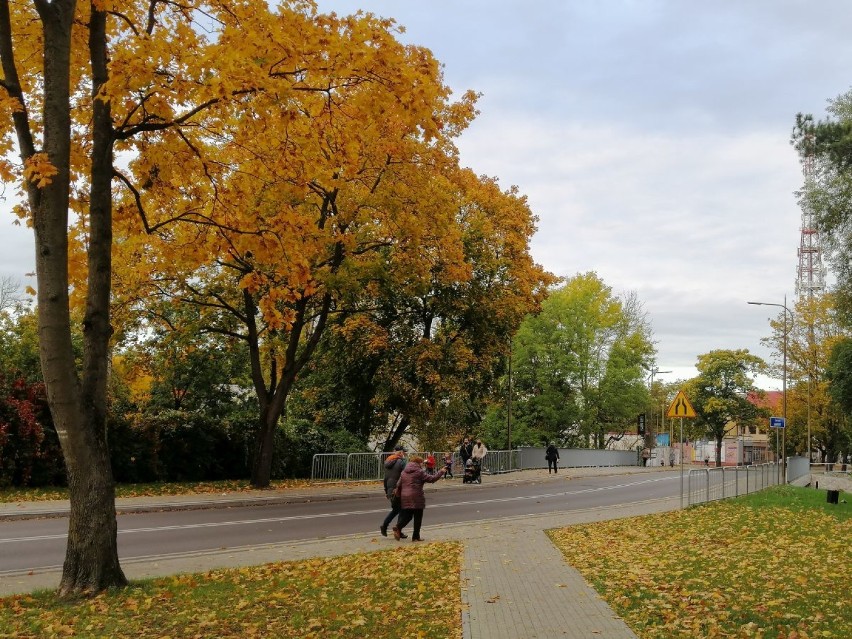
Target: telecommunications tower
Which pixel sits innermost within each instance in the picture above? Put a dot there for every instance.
(810, 280)
(810, 277)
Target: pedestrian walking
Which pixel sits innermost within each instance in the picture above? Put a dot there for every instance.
(552, 456)
(477, 457)
(412, 496)
(394, 465)
(448, 464)
(478, 452)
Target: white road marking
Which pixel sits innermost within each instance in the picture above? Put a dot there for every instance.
(267, 520)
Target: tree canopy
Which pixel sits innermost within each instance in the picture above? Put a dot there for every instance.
(826, 147)
(270, 165)
(720, 392)
(579, 366)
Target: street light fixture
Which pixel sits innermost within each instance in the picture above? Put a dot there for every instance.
(784, 382)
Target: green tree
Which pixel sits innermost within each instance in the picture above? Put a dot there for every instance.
(186, 396)
(826, 148)
(815, 330)
(19, 344)
(838, 436)
(579, 365)
(719, 394)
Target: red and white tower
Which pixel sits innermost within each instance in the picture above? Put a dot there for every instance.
(810, 278)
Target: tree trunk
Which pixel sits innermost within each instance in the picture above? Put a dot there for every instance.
(261, 472)
(272, 405)
(78, 406)
(91, 555)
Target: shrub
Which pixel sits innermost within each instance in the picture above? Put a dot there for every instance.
(29, 447)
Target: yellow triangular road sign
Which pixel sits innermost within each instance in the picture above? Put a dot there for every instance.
(680, 407)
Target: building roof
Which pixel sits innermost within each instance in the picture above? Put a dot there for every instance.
(770, 399)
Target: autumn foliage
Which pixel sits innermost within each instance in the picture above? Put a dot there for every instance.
(320, 180)
(722, 570)
(268, 164)
(29, 450)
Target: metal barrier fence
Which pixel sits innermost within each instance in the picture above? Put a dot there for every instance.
(828, 467)
(710, 484)
(500, 461)
(371, 466)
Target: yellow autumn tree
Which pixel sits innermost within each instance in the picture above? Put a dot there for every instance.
(277, 211)
(148, 102)
(812, 335)
(432, 348)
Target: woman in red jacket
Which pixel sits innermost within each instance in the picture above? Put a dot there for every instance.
(411, 495)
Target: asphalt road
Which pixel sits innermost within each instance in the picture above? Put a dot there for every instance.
(39, 544)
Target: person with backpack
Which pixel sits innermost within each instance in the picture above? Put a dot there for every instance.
(394, 465)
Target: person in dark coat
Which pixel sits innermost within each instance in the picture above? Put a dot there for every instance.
(394, 465)
(413, 499)
(552, 456)
(465, 451)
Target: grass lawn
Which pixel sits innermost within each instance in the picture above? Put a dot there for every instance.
(9, 495)
(775, 564)
(400, 593)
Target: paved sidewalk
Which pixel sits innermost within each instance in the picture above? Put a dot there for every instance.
(515, 583)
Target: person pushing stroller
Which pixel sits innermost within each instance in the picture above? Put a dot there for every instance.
(473, 466)
(472, 473)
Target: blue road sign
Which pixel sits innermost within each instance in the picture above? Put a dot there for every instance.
(776, 422)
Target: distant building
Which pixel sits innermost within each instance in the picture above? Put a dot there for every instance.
(746, 445)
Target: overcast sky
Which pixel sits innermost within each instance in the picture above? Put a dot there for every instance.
(651, 139)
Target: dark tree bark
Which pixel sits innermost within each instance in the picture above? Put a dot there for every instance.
(77, 400)
(272, 400)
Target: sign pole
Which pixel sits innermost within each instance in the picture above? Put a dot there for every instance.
(681, 463)
(680, 407)
(777, 450)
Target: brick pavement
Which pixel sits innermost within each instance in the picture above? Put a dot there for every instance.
(517, 584)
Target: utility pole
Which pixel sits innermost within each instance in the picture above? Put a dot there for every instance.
(509, 403)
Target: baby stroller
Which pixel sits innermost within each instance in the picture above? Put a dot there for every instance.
(472, 472)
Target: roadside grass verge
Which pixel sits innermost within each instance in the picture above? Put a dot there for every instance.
(407, 592)
(774, 564)
(159, 489)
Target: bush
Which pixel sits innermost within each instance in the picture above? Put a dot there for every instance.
(174, 445)
(30, 454)
(298, 441)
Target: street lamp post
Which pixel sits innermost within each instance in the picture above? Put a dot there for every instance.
(509, 404)
(650, 439)
(787, 311)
